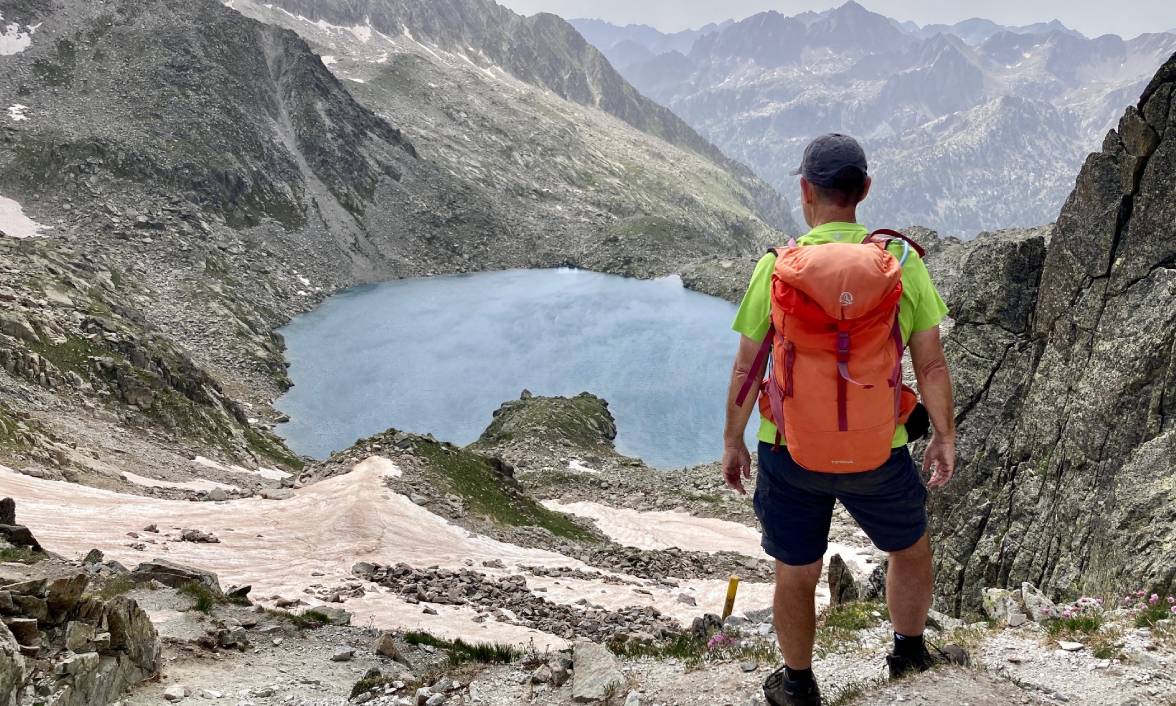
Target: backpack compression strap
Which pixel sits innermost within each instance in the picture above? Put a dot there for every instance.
(895, 235)
(757, 368)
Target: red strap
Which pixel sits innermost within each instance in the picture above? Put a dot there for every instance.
(895, 234)
(757, 368)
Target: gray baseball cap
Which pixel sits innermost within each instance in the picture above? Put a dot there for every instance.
(827, 155)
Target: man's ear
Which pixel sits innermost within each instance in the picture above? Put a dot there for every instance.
(806, 191)
(866, 190)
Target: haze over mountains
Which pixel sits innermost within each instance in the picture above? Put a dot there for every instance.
(971, 126)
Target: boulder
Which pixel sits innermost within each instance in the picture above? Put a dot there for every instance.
(19, 536)
(1000, 603)
(199, 537)
(842, 586)
(596, 675)
(174, 575)
(7, 511)
(78, 635)
(1039, 607)
(386, 647)
(62, 596)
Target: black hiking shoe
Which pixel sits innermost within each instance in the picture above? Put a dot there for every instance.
(779, 691)
(900, 666)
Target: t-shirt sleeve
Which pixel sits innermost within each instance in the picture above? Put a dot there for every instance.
(754, 317)
(929, 309)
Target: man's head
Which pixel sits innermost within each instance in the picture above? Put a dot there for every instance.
(834, 179)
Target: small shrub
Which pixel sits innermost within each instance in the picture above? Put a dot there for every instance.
(858, 615)
(1151, 609)
(205, 599)
(461, 652)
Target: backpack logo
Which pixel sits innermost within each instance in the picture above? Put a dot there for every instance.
(846, 299)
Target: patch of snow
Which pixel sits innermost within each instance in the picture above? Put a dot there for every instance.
(193, 485)
(12, 40)
(576, 465)
(267, 473)
(305, 282)
(17, 112)
(362, 32)
(14, 223)
(357, 80)
(282, 547)
(329, 60)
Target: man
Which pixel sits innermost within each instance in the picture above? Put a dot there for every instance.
(794, 504)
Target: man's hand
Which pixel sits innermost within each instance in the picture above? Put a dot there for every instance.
(940, 458)
(736, 465)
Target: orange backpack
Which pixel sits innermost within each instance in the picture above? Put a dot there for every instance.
(836, 377)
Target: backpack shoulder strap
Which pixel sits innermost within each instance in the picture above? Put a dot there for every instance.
(895, 235)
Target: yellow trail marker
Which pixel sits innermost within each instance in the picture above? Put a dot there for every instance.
(732, 589)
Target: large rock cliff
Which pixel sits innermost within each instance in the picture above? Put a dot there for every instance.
(1067, 385)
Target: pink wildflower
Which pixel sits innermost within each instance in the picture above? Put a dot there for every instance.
(1154, 599)
(1171, 600)
(1140, 593)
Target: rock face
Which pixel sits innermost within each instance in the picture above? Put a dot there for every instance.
(81, 651)
(1067, 395)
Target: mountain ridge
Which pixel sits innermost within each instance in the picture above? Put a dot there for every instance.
(761, 88)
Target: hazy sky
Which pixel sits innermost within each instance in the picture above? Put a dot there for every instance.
(1092, 17)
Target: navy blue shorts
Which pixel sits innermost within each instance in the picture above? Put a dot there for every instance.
(795, 505)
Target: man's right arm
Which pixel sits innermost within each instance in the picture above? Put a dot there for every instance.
(935, 388)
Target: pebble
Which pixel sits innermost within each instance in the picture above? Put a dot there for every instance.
(1070, 646)
(343, 654)
(176, 692)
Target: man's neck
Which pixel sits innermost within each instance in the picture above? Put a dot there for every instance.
(833, 217)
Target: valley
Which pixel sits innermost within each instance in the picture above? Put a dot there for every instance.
(180, 180)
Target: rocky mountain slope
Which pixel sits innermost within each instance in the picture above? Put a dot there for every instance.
(1069, 373)
(541, 50)
(969, 127)
(199, 177)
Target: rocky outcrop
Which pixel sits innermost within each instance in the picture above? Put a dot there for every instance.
(582, 422)
(60, 646)
(1067, 395)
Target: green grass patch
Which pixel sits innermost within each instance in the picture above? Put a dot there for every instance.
(489, 492)
(21, 555)
(72, 354)
(273, 450)
(117, 586)
(858, 615)
(461, 652)
(692, 651)
(306, 620)
(1077, 625)
(1149, 616)
(205, 599)
(839, 626)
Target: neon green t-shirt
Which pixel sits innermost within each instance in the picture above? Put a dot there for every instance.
(921, 308)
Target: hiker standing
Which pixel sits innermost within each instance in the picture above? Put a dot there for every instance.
(836, 418)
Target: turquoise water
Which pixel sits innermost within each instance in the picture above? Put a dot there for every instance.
(439, 355)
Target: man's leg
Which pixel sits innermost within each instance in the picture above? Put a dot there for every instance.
(794, 612)
(908, 588)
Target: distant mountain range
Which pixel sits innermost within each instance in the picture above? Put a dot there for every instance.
(970, 127)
